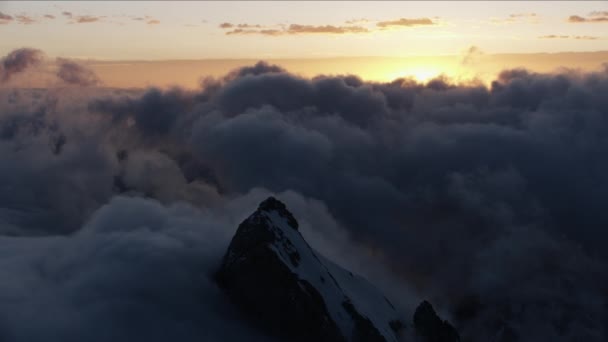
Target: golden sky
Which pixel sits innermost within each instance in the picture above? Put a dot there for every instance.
(161, 43)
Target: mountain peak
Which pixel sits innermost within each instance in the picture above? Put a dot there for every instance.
(273, 275)
(432, 328)
(272, 204)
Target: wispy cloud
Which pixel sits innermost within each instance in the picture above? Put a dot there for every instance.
(153, 22)
(298, 29)
(471, 56)
(594, 17)
(293, 29)
(49, 16)
(25, 20)
(266, 32)
(83, 19)
(357, 21)
(241, 26)
(554, 36)
(406, 22)
(5, 18)
(530, 18)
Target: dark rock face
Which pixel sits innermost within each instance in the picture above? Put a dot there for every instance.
(431, 328)
(272, 274)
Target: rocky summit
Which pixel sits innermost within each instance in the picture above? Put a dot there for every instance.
(293, 292)
(430, 328)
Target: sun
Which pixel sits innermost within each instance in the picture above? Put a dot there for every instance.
(420, 73)
(423, 74)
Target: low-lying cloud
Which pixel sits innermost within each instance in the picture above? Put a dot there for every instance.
(73, 73)
(18, 61)
(487, 200)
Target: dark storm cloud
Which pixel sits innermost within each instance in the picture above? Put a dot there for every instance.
(103, 283)
(73, 73)
(489, 200)
(406, 22)
(441, 179)
(18, 61)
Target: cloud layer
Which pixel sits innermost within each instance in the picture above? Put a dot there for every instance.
(489, 201)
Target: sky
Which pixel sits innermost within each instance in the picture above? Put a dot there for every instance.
(181, 42)
(141, 30)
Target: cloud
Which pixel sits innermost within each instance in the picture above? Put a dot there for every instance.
(293, 29)
(153, 22)
(83, 19)
(18, 61)
(357, 21)
(592, 19)
(531, 18)
(553, 36)
(5, 18)
(471, 56)
(406, 22)
(103, 283)
(24, 19)
(599, 14)
(226, 25)
(487, 199)
(76, 74)
(299, 29)
(67, 14)
(49, 16)
(267, 32)
(405, 166)
(522, 15)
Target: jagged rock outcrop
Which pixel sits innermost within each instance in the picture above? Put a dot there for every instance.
(275, 277)
(430, 328)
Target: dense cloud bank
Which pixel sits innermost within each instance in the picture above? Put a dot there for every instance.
(489, 201)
